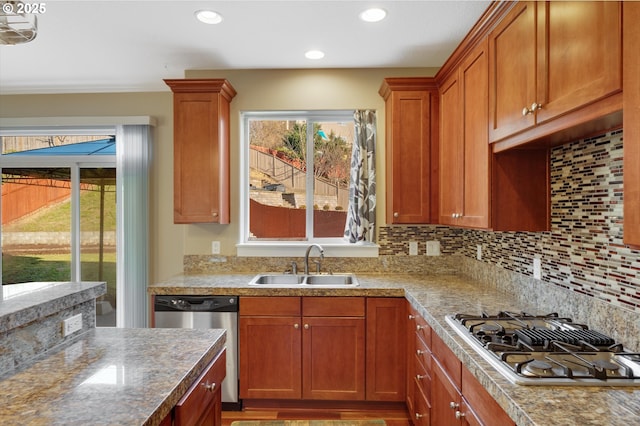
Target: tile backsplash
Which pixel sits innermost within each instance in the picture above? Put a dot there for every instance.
(582, 252)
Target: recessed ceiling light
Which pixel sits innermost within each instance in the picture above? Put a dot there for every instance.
(208, 16)
(314, 54)
(373, 15)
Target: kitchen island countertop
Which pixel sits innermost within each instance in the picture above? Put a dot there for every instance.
(108, 376)
(436, 296)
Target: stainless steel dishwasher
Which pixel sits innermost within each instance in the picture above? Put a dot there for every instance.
(206, 312)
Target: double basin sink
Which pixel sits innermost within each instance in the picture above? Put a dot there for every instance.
(305, 280)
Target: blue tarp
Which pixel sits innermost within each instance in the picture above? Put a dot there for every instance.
(99, 147)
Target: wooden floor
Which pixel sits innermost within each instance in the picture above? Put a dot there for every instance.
(393, 417)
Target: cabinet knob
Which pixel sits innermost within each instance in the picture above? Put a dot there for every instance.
(419, 352)
(396, 214)
(535, 106)
(459, 415)
(419, 327)
(454, 405)
(210, 387)
(296, 326)
(419, 416)
(306, 326)
(412, 317)
(419, 377)
(215, 214)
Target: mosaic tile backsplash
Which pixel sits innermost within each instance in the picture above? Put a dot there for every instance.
(583, 252)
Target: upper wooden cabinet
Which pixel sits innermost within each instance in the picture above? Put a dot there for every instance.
(549, 59)
(464, 151)
(631, 123)
(411, 107)
(201, 150)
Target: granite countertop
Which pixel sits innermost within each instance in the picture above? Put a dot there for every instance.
(108, 376)
(23, 303)
(436, 296)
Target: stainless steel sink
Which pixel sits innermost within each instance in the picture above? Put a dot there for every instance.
(295, 280)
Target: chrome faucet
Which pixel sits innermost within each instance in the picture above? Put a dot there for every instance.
(306, 257)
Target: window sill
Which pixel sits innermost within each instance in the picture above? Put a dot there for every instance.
(297, 249)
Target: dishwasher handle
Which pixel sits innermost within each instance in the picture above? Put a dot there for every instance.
(196, 303)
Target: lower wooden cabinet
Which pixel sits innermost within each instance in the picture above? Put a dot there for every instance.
(202, 403)
(443, 391)
(315, 351)
(322, 348)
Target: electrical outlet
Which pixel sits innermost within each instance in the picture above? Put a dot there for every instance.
(413, 248)
(479, 252)
(215, 247)
(537, 269)
(433, 248)
(71, 325)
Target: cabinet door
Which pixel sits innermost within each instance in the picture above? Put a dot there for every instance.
(411, 108)
(446, 399)
(579, 54)
(476, 161)
(201, 150)
(512, 71)
(385, 355)
(479, 406)
(631, 99)
(333, 354)
(201, 404)
(270, 357)
(451, 151)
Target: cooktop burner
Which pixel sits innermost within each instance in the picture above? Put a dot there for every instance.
(547, 349)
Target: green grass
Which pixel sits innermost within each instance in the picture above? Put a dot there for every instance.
(57, 267)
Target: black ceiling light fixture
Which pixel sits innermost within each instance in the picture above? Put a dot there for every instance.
(18, 21)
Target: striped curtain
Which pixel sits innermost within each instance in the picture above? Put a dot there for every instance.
(361, 215)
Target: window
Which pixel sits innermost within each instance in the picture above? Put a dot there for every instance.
(45, 180)
(68, 226)
(296, 172)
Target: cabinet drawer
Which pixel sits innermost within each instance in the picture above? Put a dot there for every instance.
(333, 306)
(422, 411)
(198, 398)
(448, 360)
(423, 330)
(423, 377)
(423, 354)
(269, 306)
(484, 406)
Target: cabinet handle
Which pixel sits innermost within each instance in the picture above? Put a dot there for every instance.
(534, 107)
(396, 214)
(209, 386)
(306, 326)
(296, 326)
(454, 405)
(459, 415)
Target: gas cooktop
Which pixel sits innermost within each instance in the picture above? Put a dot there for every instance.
(547, 350)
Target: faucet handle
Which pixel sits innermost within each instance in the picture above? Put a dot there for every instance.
(318, 266)
(294, 267)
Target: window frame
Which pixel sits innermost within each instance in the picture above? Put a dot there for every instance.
(333, 247)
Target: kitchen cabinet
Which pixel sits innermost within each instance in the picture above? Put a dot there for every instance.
(201, 150)
(504, 192)
(465, 155)
(411, 109)
(553, 66)
(444, 391)
(385, 349)
(302, 348)
(631, 102)
(202, 403)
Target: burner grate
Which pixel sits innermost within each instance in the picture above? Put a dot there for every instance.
(540, 337)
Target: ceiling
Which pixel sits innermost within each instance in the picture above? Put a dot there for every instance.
(130, 46)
